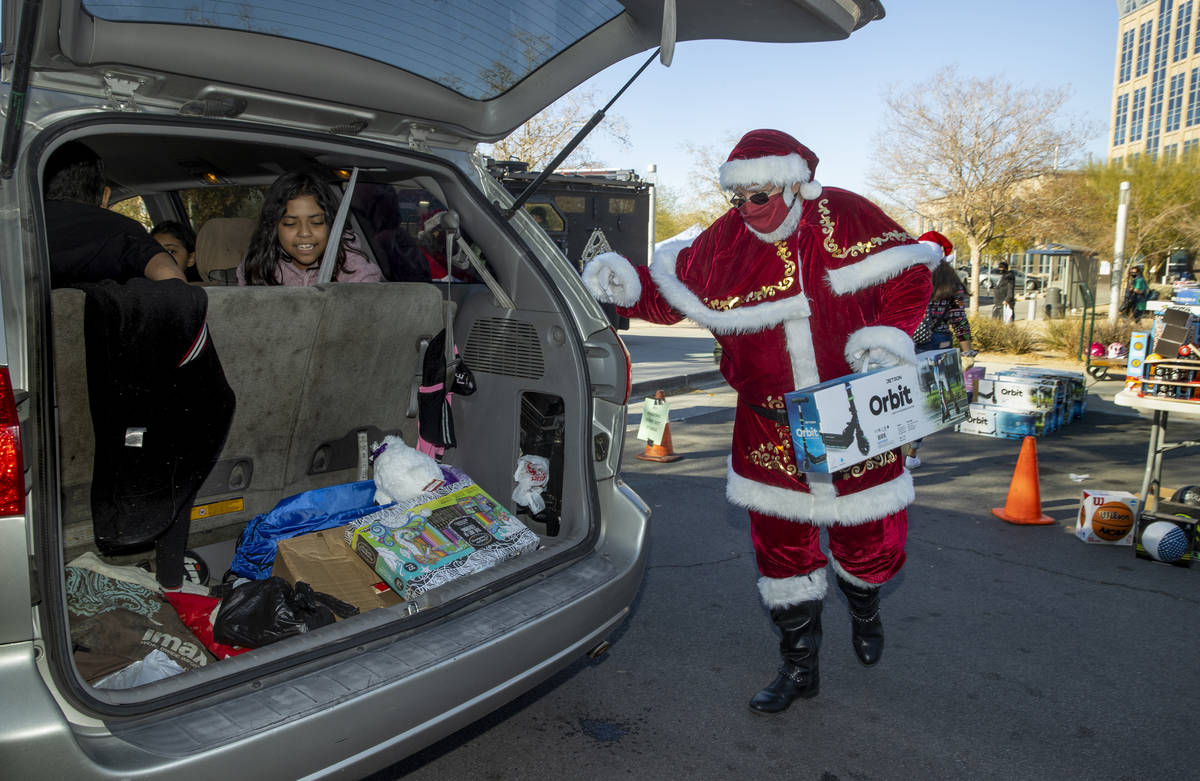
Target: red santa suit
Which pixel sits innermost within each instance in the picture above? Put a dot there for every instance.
(844, 284)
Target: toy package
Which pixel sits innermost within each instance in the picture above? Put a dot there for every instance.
(438, 536)
(1106, 517)
(845, 421)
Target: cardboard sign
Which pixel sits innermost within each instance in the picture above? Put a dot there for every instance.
(655, 414)
(845, 421)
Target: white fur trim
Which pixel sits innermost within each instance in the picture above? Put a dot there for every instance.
(786, 228)
(851, 579)
(934, 259)
(779, 169)
(747, 319)
(598, 284)
(810, 191)
(797, 336)
(882, 266)
(821, 506)
(785, 592)
(873, 338)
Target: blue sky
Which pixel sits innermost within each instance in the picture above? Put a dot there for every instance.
(830, 95)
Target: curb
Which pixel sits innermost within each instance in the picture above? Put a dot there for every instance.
(680, 383)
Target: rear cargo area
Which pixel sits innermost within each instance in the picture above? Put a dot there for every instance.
(328, 383)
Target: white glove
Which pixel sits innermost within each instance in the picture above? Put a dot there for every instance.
(873, 358)
(611, 279)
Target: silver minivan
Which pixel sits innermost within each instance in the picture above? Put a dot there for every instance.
(195, 108)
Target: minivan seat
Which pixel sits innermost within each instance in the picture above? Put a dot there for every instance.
(221, 243)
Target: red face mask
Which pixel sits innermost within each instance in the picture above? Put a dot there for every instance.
(767, 217)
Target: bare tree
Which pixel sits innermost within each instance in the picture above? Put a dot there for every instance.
(544, 135)
(968, 152)
(707, 197)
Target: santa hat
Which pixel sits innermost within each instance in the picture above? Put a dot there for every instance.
(941, 243)
(771, 157)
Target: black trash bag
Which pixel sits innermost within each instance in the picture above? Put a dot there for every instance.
(260, 612)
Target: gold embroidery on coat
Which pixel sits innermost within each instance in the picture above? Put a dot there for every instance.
(773, 455)
(858, 470)
(862, 247)
(765, 292)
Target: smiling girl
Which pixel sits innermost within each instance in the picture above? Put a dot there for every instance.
(291, 236)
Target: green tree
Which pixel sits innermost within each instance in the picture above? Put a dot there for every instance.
(1164, 208)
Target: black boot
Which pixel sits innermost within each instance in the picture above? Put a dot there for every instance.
(866, 628)
(799, 676)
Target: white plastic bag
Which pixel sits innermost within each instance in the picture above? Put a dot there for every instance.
(1008, 313)
(533, 472)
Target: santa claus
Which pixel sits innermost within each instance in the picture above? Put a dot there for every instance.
(800, 284)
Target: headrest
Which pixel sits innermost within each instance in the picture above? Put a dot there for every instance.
(221, 243)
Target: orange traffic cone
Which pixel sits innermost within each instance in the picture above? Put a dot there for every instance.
(1024, 504)
(662, 452)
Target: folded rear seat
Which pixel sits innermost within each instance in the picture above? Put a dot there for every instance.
(318, 372)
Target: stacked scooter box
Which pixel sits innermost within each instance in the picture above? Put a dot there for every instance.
(1025, 401)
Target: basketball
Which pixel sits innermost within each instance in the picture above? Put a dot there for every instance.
(1112, 520)
(1165, 541)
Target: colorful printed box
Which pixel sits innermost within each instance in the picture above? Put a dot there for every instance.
(1107, 517)
(990, 420)
(1020, 393)
(437, 537)
(845, 421)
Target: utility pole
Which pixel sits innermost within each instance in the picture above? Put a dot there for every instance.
(1114, 293)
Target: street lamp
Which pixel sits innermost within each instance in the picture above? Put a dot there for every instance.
(1114, 293)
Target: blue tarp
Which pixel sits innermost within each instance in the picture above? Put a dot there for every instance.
(311, 511)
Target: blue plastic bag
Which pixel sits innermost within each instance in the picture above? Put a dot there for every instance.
(311, 511)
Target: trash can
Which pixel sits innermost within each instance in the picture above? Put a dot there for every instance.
(1054, 304)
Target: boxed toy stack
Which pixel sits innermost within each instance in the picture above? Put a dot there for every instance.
(1025, 401)
(1172, 369)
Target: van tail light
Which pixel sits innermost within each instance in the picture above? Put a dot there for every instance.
(628, 365)
(12, 467)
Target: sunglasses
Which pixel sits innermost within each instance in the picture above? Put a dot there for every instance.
(758, 199)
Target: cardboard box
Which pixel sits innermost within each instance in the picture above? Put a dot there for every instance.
(990, 420)
(845, 421)
(322, 560)
(437, 537)
(1027, 394)
(1139, 348)
(1168, 547)
(1107, 517)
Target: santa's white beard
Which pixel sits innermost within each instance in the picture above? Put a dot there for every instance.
(786, 228)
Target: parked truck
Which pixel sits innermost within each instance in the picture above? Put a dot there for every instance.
(588, 211)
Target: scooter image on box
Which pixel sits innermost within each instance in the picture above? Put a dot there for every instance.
(852, 431)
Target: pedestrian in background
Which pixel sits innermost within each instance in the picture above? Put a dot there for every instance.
(1137, 292)
(1005, 294)
(945, 322)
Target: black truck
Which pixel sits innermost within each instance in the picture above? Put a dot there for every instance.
(589, 211)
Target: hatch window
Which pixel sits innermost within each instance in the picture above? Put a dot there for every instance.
(478, 49)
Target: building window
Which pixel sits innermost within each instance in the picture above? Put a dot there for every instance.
(1193, 110)
(1189, 146)
(1175, 102)
(1120, 119)
(1170, 152)
(1143, 49)
(1183, 28)
(1126, 71)
(1137, 114)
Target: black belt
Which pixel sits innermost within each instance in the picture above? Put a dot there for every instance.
(778, 416)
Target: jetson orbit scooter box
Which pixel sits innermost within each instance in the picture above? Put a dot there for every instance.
(845, 421)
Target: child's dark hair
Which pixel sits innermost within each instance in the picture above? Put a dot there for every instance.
(74, 173)
(264, 255)
(946, 284)
(179, 231)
